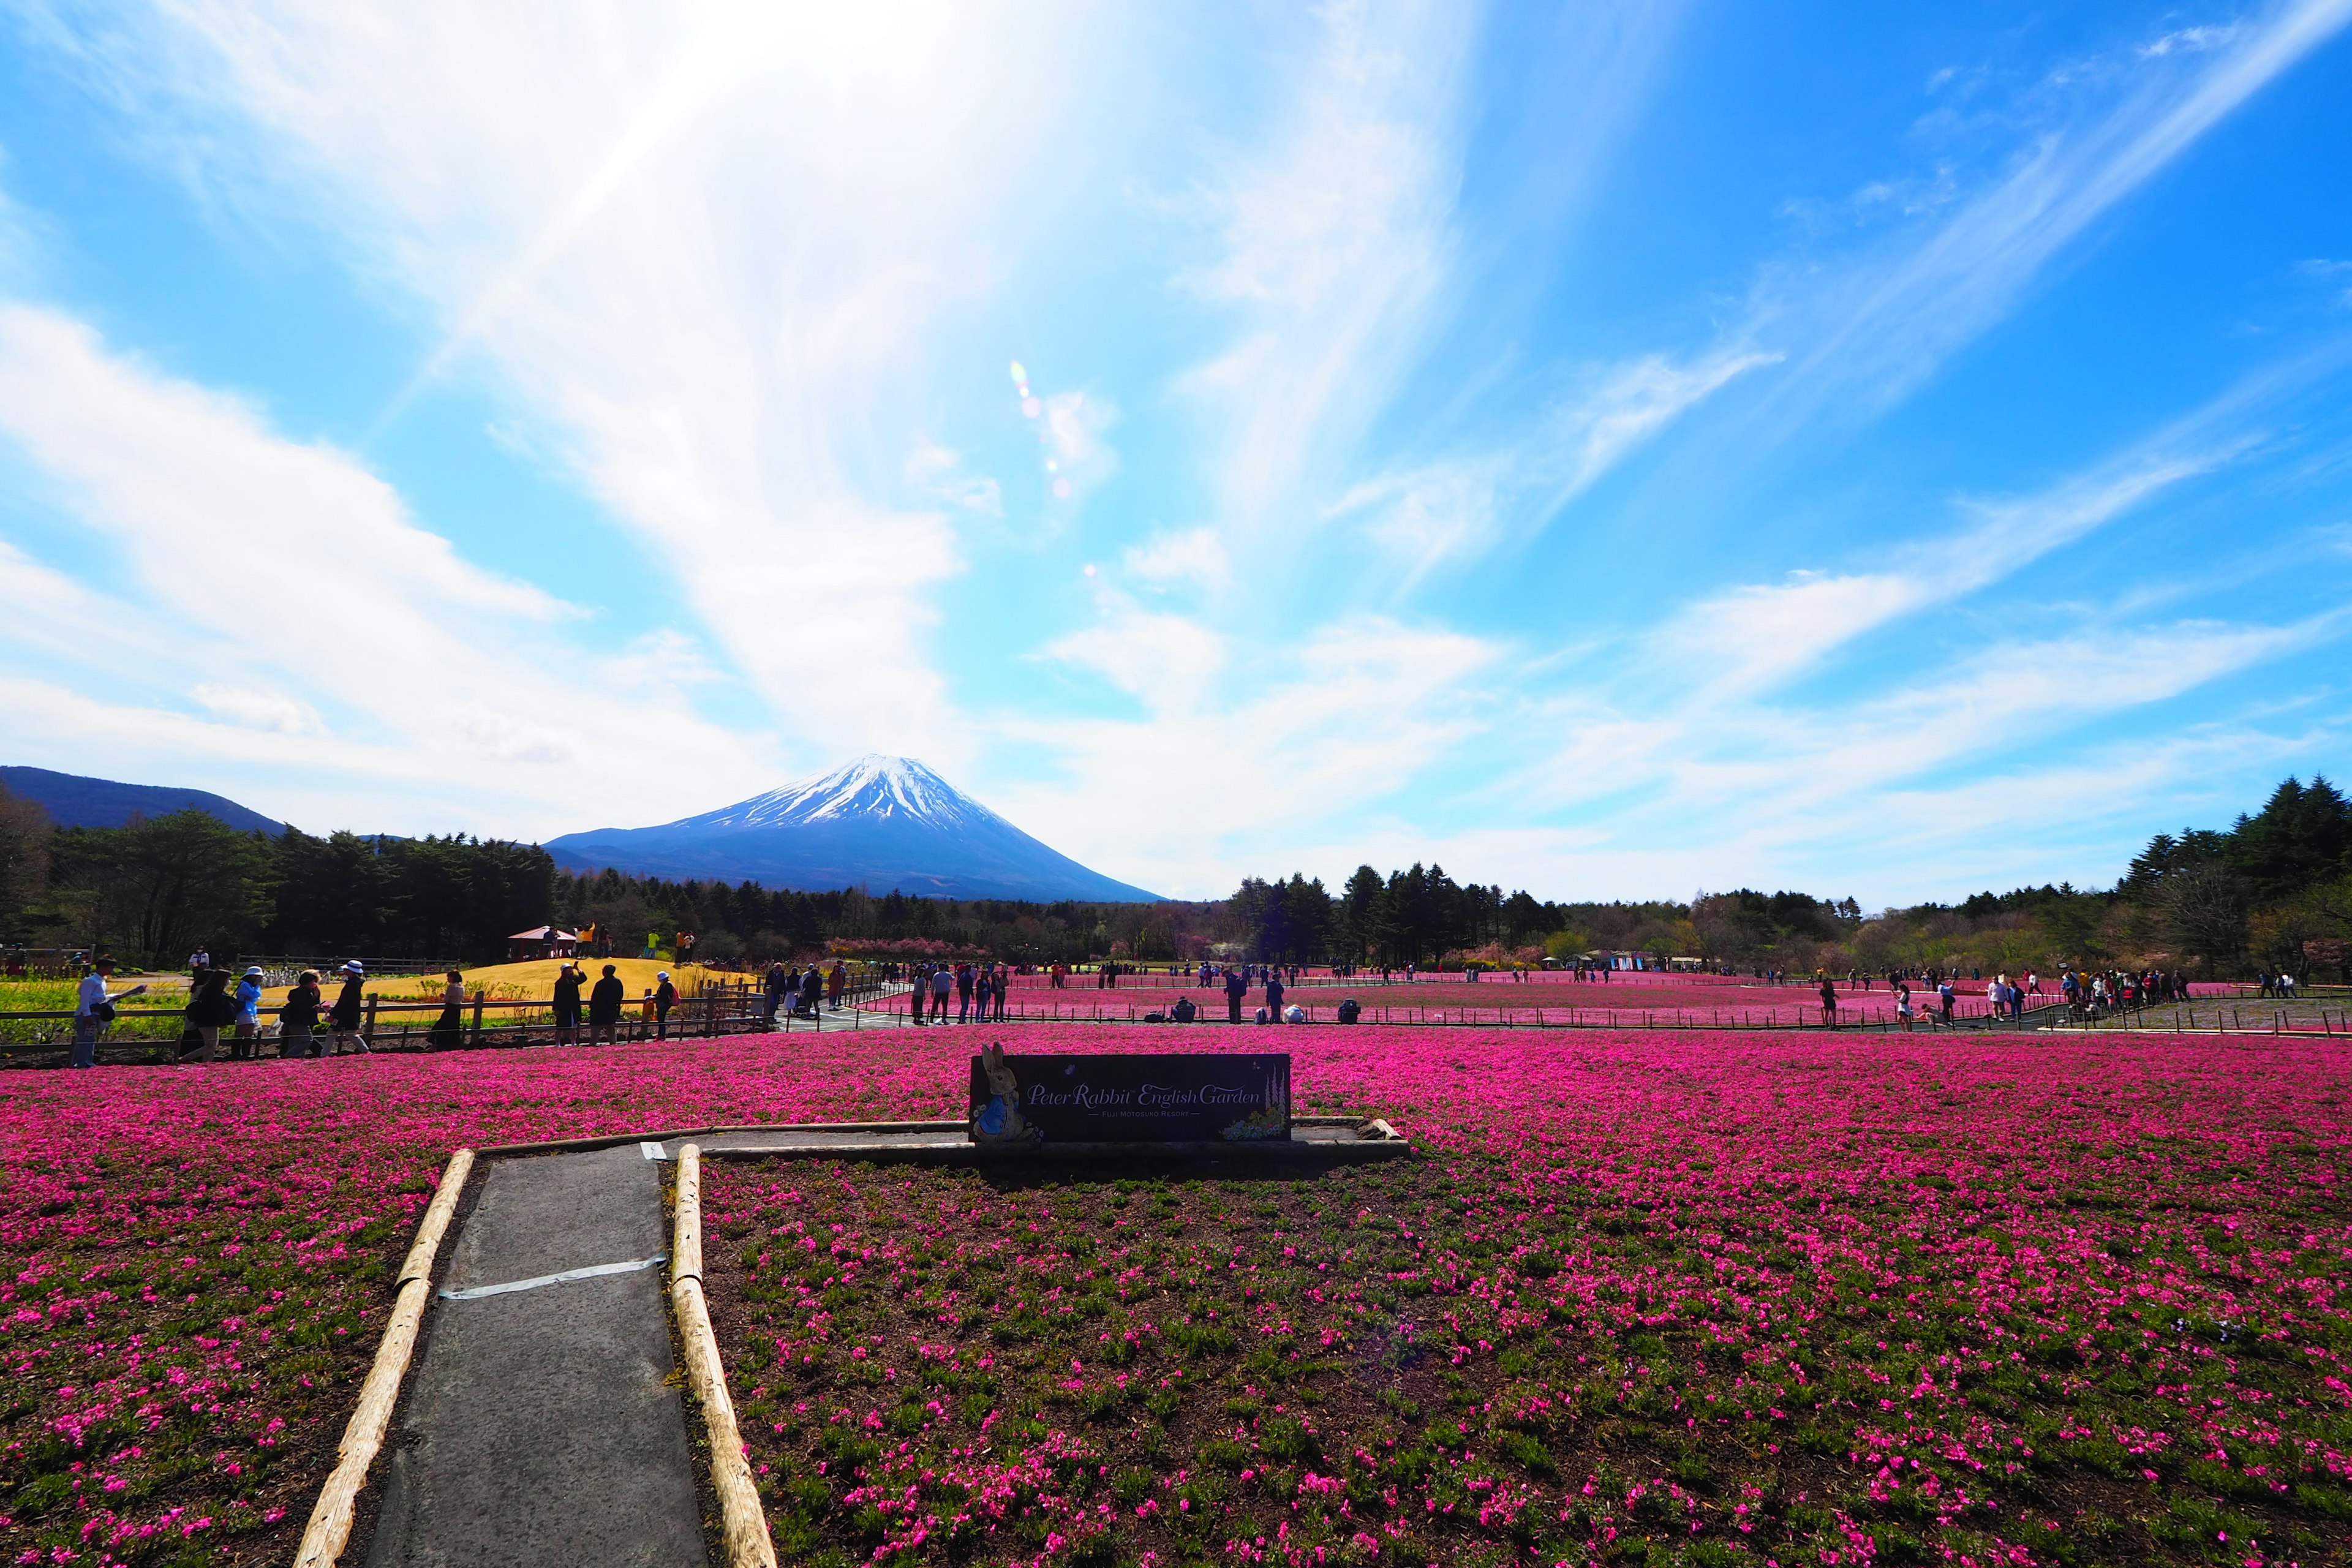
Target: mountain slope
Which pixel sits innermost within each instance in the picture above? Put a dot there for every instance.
(881, 823)
(73, 801)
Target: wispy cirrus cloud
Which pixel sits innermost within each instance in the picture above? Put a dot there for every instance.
(1861, 336)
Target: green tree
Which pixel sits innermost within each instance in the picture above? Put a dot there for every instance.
(24, 861)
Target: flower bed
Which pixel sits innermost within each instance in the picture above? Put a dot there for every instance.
(197, 1261)
(1696, 1298)
(198, 1258)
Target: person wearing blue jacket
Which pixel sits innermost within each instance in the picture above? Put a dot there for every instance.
(246, 1041)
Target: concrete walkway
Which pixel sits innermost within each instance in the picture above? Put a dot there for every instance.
(542, 1427)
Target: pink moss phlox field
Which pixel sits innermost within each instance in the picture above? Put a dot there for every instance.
(198, 1259)
(1734, 1297)
(2115, 1265)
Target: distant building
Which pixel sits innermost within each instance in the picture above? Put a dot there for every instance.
(542, 941)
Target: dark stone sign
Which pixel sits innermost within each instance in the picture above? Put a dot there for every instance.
(1170, 1099)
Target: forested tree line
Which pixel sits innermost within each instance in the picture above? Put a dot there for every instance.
(157, 889)
(2273, 891)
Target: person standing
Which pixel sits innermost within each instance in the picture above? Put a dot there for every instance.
(963, 992)
(665, 998)
(813, 992)
(943, 982)
(209, 1010)
(448, 1030)
(920, 992)
(248, 1016)
(605, 999)
(343, 1018)
(1236, 987)
(1903, 1004)
(837, 981)
(298, 1019)
(1829, 1002)
(94, 1010)
(1001, 982)
(568, 980)
(771, 993)
(1274, 992)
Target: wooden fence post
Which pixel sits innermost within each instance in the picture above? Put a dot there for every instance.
(480, 997)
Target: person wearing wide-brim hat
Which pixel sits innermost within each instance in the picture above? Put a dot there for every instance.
(343, 1018)
(246, 1041)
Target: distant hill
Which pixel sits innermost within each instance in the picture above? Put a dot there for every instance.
(73, 801)
(880, 823)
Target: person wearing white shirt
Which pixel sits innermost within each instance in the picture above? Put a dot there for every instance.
(90, 1023)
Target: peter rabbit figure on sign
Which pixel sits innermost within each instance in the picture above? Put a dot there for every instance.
(999, 1120)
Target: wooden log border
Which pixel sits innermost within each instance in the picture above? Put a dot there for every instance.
(329, 1530)
(744, 1523)
(742, 1520)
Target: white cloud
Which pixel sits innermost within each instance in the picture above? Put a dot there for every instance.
(1333, 248)
(1197, 556)
(1167, 661)
(1873, 332)
(288, 593)
(260, 709)
(709, 244)
(1077, 458)
(938, 471)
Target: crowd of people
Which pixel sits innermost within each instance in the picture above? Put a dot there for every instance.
(798, 994)
(978, 989)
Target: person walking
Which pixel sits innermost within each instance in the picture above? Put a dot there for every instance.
(298, 1019)
(209, 1010)
(665, 998)
(568, 982)
(448, 1030)
(246, 1042)
(963, 978)
(605, 999)
(812, 992)
(343, 1018)
(943, 982)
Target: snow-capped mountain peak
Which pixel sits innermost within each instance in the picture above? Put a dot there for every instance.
(880, 823)
(873, 786)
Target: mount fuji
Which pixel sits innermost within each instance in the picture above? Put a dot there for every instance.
(881, 823)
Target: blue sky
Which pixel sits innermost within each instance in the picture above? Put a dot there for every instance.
(1613, 450)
